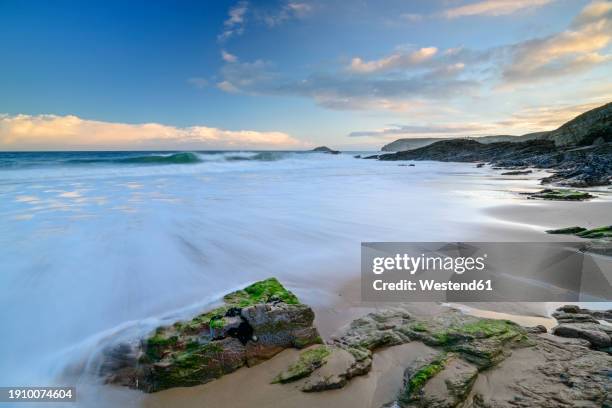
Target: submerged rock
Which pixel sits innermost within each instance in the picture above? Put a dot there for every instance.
(252, 325)
(516, 173)
(561, 195)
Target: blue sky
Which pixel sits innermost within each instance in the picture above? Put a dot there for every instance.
(297, 73)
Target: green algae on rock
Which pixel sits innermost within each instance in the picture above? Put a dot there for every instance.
(561, 195)
(596, 233)
(568, 230)
(308, 361)
(252, 325)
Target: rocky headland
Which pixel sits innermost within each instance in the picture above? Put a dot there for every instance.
(579, 153)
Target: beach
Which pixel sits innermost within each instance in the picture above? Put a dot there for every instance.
(162, 242)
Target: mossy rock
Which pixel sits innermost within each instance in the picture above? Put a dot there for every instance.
(252, 325)
(265, 291)
(308, 361)
(597, 233)
(568, 230)
(417, 375)
(480, 341)
(561, 195)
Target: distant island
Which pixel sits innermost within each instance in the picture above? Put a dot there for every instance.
(325, 149)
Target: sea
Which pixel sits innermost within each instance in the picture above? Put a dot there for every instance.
(99, 247)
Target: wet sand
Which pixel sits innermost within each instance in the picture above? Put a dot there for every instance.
(251, 387)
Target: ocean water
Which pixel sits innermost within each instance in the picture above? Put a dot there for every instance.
(99, 247)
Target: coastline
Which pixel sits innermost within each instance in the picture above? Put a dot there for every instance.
(516, 220)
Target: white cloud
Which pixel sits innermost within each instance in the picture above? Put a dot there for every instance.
(291, 10)
(227, 86)
(234, 25)
(393, 61)
(227, 57)
(71, 132)
(493, 8)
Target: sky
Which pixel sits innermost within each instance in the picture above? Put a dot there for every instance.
(294, 74)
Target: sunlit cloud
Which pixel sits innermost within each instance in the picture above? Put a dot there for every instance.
(393, 61)
(580, 47)
(546, 117)
(493, 8)
(70, 132)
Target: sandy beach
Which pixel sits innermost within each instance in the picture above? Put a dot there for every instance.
(518, 220)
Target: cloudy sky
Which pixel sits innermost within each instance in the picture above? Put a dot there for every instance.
(291, 74)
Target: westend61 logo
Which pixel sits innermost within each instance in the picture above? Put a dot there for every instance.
(484, 271)
(413, 264)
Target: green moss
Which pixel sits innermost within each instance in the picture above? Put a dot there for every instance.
(443, 338)
(301, 342)
(562, 194)
(419, 327)
(216, 323)
(359, 354)
(261, 292)
(189, 366)
(424, 374)
(601, 232)
(165, 340)
(490, 327)
(308, 361)
(159, 343)
(568, 230)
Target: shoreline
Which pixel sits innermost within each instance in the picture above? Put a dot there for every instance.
(517, 220)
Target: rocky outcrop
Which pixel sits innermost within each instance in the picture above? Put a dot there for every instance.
(594, 126)
(469, 357)
(443, 381)
(466, 345)
(401, 145)
(575, 322)
(325, 149)
(525, 367)
(575, 167)
(579, 152)
(327, 367)
(560, 195)
(252, 325)
(516, 173)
